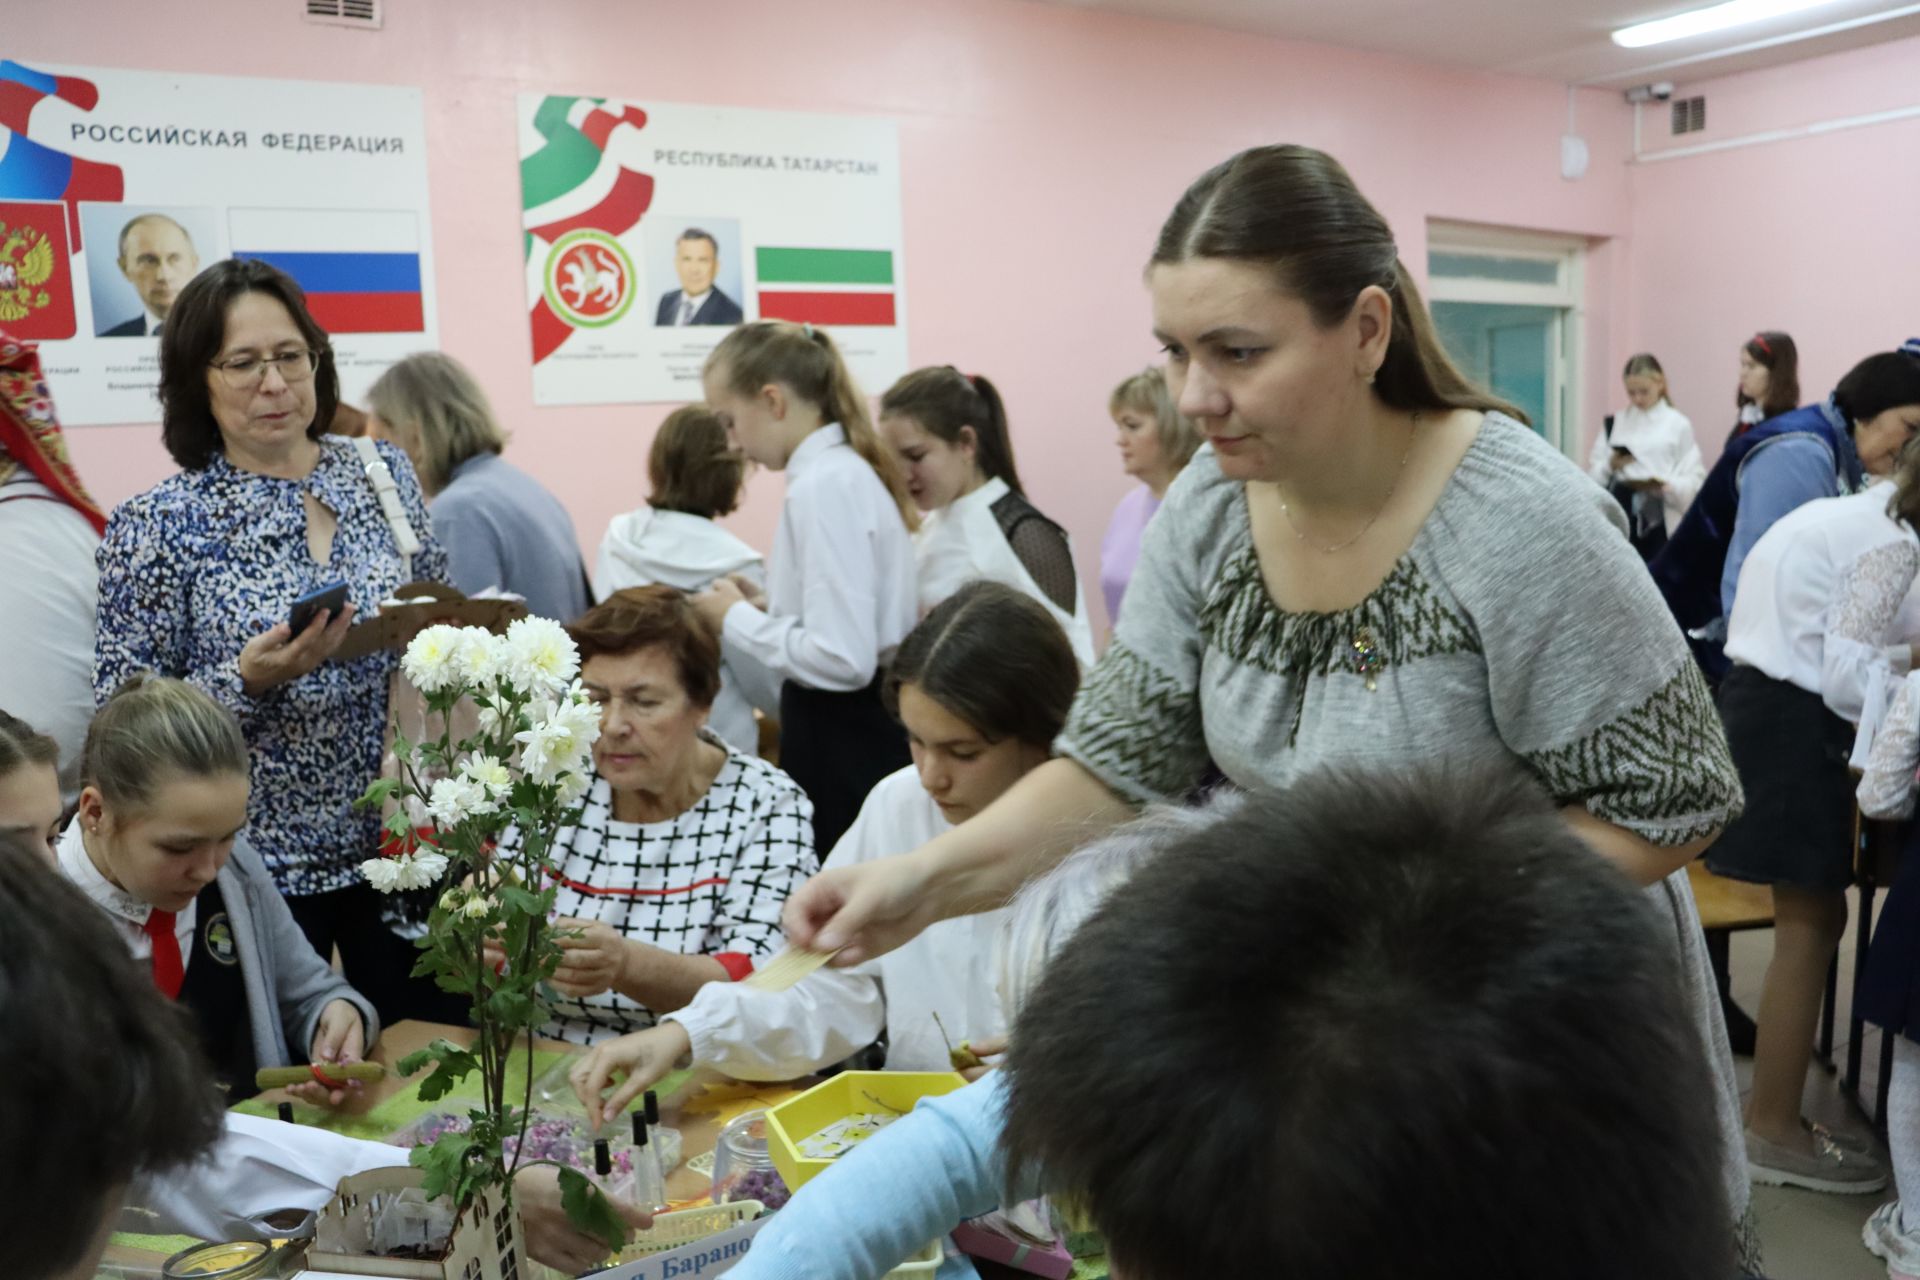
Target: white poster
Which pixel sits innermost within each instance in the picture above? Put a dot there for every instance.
(651, 228)
(117, 186)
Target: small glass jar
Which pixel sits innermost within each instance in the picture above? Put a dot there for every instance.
(239, 1261)
(743, 1168)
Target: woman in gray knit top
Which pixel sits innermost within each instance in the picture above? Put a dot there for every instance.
(1373, 563)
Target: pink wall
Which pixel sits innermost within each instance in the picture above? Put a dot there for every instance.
(1813, 235)
(1040, 144)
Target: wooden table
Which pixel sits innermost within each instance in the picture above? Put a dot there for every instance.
(701, 1105)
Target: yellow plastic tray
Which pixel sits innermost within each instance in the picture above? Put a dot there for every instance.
(849, 1093)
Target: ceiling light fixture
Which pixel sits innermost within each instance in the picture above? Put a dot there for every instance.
(1698, 22)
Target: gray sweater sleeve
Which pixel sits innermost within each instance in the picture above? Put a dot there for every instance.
(300, 983)
(1590, 680)
(1137, 723)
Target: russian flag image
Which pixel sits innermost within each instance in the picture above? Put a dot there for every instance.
(360, 268)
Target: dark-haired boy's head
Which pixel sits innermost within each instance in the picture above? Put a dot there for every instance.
(1367, 1027)
(103, 1078)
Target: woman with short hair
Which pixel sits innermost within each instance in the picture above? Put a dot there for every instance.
(675, 538)
(686, 849)
(500, 527)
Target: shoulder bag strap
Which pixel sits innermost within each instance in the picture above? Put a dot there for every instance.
(384, 488)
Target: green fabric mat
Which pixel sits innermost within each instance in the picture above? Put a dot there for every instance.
(390, 1116)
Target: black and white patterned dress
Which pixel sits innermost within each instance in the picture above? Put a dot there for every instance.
(708, 882)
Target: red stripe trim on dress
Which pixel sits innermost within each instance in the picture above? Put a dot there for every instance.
(593, 892)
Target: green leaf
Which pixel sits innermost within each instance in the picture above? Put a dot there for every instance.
(588, 1210)
(445, 1162)
(520, 900)
(451, 1065)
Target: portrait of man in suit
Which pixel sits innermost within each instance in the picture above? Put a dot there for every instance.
(696, 260)
(158, 258)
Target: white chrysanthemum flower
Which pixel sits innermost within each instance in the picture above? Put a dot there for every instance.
(454, 800)
(419, 870)
(561, 738)
(431, 660)
(492, 713)
(488, 772)
(574, 786)
(482, 656)
(540, 656)
(382, 873)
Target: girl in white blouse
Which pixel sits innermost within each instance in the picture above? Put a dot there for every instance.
(982, 686)
(949, 430)
(1647, 457)
(1816, 638)
(841, 590)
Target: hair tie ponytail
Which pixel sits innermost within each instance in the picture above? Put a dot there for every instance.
(1911, 347)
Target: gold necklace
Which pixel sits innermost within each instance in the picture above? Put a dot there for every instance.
(1412, 431)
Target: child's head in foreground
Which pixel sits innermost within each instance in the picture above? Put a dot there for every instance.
(1367, 1027)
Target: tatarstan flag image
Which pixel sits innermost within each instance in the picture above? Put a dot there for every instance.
(36, 273)
(826, 286)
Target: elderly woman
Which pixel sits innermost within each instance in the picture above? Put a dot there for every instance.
(675, 538)
(198, 576)
(1155, 441)
(500, 528)
(677, 871)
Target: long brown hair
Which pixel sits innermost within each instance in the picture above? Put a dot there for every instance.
(1774, 351)
(943, 400)
(807, 362)
(1296, 210)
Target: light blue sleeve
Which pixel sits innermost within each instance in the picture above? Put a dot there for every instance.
(1778, 478)
(471, 542)
(881, 1203)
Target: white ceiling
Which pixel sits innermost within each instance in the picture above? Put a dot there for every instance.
(1564, 40)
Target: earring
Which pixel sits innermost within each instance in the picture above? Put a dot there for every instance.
(1372, 376)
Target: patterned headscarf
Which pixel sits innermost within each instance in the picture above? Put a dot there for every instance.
(30, 434)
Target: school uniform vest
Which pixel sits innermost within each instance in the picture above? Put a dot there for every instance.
(1689, 567)
(216, 995)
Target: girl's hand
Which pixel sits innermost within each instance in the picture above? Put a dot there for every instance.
(339, 1038)
(645, 1056)
(713, 603)
(749, 590)
(989, 1047)
(276, 655)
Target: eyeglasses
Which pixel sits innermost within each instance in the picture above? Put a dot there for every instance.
(243, 373)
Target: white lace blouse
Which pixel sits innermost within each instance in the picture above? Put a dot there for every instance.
(1887, 782)
(1819, 601)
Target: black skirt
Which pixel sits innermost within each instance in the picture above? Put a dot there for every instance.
(1889, 989)
(1797, 829)
(837, 746)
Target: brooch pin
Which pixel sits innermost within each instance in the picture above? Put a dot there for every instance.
(1368, 661)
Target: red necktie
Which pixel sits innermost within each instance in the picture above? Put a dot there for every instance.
(168, 972)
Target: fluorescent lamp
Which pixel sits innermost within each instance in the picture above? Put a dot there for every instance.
(1698, 22)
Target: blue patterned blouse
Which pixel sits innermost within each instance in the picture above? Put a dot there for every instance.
(203, 562)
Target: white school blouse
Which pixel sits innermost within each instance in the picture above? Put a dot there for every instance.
(1819, 601)
(1661, 441)
(831, 1013)
(841, 588)
(964, 541)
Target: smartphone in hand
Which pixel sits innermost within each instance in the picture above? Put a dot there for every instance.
(332, 599)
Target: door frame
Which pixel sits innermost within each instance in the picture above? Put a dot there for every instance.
(1566, 295)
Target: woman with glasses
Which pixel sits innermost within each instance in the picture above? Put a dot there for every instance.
(199, 574)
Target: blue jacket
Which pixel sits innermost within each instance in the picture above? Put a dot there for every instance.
(1705, 551)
